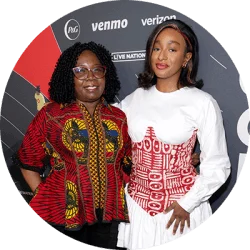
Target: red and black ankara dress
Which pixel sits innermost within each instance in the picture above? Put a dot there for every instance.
(87, 156)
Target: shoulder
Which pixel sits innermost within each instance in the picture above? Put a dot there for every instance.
(42, 114)
(199, 95)
(136, 93)
(204, 101)
(132, 98)
(52, 106)
(116, 111)
(54, 109)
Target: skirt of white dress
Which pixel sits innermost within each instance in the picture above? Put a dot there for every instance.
(146, 231)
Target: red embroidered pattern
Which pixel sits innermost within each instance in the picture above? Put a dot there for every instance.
(161, 173)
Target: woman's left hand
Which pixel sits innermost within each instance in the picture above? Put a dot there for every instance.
(179, 217)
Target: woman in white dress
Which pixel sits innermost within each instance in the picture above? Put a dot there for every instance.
(166, 197)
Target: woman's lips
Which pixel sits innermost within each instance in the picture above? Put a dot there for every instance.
(91, 87)
(161, 66)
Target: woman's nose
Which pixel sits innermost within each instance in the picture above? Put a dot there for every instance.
(90, 75)
(163, 55)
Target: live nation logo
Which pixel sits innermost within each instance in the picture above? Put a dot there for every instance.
(138, 55)
(72, 29)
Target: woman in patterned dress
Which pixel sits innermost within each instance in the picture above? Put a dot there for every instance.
(84, 141)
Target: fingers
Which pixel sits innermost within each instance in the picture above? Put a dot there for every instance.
(178, 222)
(170, 222)
(194, 163)
(182, 226)
(179, 217)
(176, 225)
(188, 222)
(195, 157)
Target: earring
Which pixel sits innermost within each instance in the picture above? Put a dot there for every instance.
(184, 65)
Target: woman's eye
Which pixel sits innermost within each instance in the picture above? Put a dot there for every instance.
(97, 69)
(156, 49)
(83, 70)
(172, 50)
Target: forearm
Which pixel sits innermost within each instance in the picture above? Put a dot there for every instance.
(32, 178)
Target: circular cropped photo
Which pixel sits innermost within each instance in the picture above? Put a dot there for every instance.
(126, 132)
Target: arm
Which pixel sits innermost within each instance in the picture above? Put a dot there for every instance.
(31, 154)
(215, 163)
(32, 178)
(127, 158)
(214, 167)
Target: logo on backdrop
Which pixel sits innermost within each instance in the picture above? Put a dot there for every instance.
(126, 56)
(156, 20)
(110, 25)
(72, 29)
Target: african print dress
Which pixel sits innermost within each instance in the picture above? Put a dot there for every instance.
(87, 154)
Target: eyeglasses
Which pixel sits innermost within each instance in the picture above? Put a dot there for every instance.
(82, 72)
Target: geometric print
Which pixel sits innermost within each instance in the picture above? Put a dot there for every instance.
(96, 164)
(162, 173)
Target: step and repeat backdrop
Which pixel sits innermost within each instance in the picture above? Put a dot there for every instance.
(123, 27)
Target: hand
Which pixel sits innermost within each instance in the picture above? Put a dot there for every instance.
(195, 158)
(180, 216)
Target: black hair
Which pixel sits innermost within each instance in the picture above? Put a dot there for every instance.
(188, 74)
(61, 85)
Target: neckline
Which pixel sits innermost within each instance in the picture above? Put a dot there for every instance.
(168, 93)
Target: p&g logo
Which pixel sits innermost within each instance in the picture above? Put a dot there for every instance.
(72, 29)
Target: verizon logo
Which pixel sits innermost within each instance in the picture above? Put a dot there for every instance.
(156, 20)
(110, 25)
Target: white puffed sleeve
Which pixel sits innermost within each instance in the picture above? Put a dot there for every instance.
(215, 163)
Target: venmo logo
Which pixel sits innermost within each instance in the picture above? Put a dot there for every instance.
(156, 20)
(110, 25)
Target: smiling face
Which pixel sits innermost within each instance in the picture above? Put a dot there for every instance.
(90, 90)
(169, 56)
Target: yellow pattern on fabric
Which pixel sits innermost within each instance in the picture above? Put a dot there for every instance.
(72, 200)
(72, 128)
(122, 195)
(101, 159)
(49, 150)
(97, 164)
(71, 226)
(113, 142)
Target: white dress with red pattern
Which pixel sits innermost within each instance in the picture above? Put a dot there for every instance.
(163, 128)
